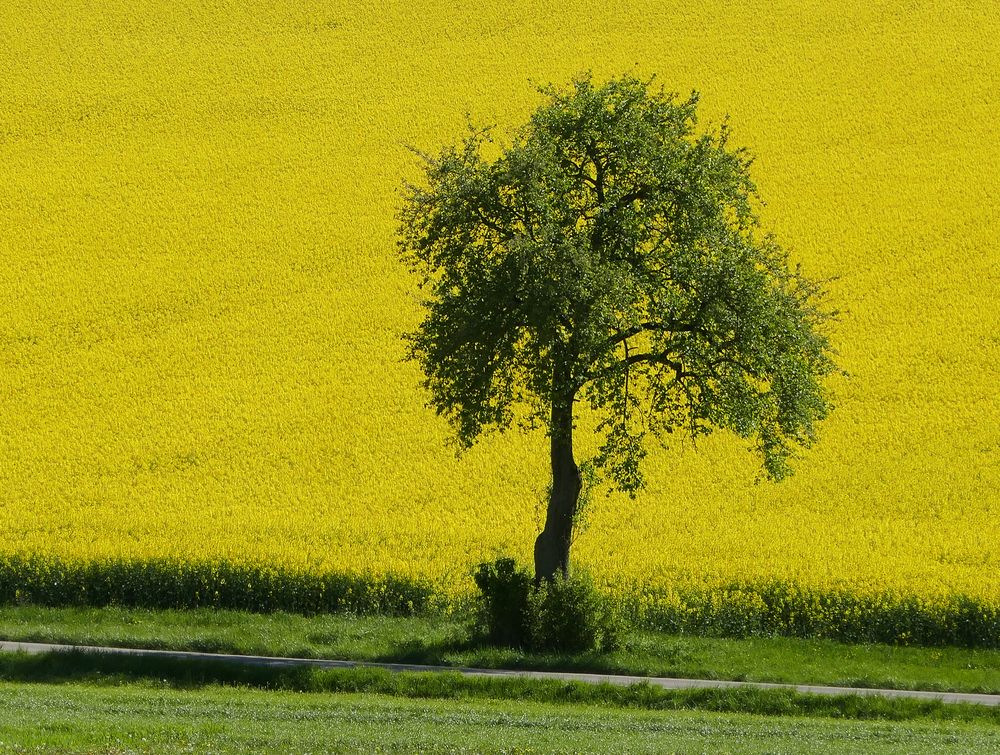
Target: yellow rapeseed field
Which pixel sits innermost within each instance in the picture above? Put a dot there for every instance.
(200, 302)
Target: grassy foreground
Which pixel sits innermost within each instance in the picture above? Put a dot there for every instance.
(442, 641)
(146, 718)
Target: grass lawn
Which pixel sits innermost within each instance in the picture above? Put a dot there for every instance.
(153, 718)
(435, 640)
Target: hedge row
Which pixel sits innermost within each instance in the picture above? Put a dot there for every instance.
(736, 611)
(779, 608)
(175, 583)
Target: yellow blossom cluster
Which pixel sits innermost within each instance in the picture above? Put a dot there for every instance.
(200, 302)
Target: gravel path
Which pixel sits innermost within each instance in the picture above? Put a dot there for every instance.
(666, 683)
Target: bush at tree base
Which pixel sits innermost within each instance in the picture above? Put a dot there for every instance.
(561, 615)
(502, 613)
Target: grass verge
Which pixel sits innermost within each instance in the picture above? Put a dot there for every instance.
(92, 668)
(444, 641)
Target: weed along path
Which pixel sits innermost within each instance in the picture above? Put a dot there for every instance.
(38, 648)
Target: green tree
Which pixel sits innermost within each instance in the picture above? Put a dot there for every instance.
(609, 255)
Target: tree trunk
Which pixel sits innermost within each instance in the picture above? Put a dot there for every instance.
(552, 545)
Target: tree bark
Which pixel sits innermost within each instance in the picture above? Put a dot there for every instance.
(552, 545)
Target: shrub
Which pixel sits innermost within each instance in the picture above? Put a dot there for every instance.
(564, 615)
(501, 617)
(569, 614)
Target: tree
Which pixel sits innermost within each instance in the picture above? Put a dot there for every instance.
(611, 255)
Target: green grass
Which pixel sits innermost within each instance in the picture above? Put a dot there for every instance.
(153, 718)
(445, 641)
(107, 669)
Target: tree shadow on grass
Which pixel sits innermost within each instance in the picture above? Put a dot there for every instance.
(104, 669)
(110, 669)
(194, 644)
(470, 652)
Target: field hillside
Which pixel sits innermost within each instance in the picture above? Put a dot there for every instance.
(201, 303)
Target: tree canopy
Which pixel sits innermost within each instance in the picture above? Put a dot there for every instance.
(611, 254)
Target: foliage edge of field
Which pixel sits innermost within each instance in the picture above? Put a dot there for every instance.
(733, 610)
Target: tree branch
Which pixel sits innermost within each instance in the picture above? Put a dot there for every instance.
(505, 234)
(625, 398)
(657, 327)
(579, 172)
(598, 172)
(647, 357)
(644, 193)
(736, 363)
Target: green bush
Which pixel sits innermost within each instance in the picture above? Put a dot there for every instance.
(564, 615)
(502, 614)
(569, 614)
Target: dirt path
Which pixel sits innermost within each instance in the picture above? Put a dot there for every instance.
(664, 682)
